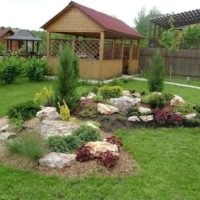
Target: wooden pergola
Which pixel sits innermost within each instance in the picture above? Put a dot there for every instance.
(21, 38)
(97, 39)
(161, 23)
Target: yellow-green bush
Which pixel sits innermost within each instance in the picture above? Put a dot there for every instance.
(110, 91)
(64, 111)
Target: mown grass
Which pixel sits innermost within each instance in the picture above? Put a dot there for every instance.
(169, 168)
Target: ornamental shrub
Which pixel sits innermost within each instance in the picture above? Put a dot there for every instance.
(110, 91)
(10, 69)
(45, 97)
(156, 73)
(155, 100)
(36, 69)
(184, 109)
(73, 142)
(114, 140)
(29, 145)
(87, 134)
(25, 110)
(108, 159)
(57, 144)
(84, 154)
(197, 108)
(64, 111)
(67, 78)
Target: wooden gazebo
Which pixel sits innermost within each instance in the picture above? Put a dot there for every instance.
(25, 40)
(103, 43)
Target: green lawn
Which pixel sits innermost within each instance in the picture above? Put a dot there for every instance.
(169, 169)
(168, 160)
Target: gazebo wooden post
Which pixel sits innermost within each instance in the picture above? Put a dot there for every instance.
(37, 47)
(48, 45)
(11, 45)
(113, 50)
(130, 55)
(33, 47)
(7, 41)
(26, 47)
(122, 49)
(101, 46)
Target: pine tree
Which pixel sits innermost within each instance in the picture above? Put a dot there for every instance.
(67, 78)
(156, 73)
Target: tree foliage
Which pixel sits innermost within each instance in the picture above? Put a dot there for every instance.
(67, 78)
(142, 22)
(156, 73)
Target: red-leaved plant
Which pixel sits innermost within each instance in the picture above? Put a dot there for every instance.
(161, 116)
(84, 154)
(176, 119)
(108, 159)
(115, 140)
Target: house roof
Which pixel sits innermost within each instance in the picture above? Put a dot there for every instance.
(25, 35)
(4, 31)
(110, 24)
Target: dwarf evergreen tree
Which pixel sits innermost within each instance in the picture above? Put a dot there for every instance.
(67, 78)
(156, 73)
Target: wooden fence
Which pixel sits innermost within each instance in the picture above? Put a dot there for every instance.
(185, 62)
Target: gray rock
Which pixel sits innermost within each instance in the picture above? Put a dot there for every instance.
(83, 98)
(57, 127)
(147, 118)
(190, 116)
(124, 103)
(4, 124)
(6, 136)
(177, 100)
(136, 94)
(106, 109)
(49, 113)
(57, 160)
(134, 119)
(144, 110)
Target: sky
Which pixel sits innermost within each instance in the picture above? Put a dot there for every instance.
(32, 14)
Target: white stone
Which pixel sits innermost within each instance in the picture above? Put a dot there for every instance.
(57, 127)
(136, 94)
(102, 146)
(91, 95)
(190, 116)
(147, 118)
(6, 135)
(49, 113)
(124, 103)
(177, 100)
(106, 109)
(126, 93)
(134, 119)
(144, 110)
(5, 128)
(57, 160)
(83, 98)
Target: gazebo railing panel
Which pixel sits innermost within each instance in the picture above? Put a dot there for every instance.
(83, 48)
(108, 50)
(117, 50)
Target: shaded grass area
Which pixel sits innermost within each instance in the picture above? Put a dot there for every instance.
(169, 168)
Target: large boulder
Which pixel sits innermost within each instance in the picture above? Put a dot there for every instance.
(134, 119)
(177, 100)
(57, 160)
(190, 116)
(144, 110)
(147, 118)
(124, 103)
(49, 113)
(57, 127)
(106, 109)
(102, 146)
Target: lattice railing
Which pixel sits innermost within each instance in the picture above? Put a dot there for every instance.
(117, 50)
(84, 48)
(108, 50)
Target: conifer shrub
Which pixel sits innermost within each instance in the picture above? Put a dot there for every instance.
(156, 73)
(67, 78)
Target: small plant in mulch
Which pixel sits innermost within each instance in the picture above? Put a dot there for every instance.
(84, 154)
(108, 159)
(114, 140)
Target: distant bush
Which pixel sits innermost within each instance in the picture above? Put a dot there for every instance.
(25, 110)
(168, 96)
(29, 145)
(197, 108)
(10, 69)
(87, 134)
(110, 91)
(36, 69)
(98, 98)
(156, 73)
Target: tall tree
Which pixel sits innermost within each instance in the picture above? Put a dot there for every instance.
(142, 22)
